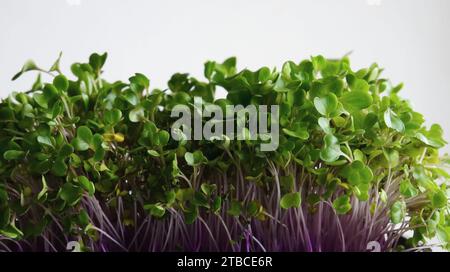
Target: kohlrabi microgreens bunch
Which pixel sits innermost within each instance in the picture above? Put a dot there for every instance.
(87, 160)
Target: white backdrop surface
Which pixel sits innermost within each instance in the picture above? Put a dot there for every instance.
(409, 38)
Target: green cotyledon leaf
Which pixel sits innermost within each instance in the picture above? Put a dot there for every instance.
(327, 104)
(342, 204)
(84, 138)
(290, 200)
(61, 83)
(357, 173)
(331, 150)
(398, 211)
(194, 159)
(356, 100)
(393, 121)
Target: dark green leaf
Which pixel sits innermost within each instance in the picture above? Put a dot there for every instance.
(356, 100)
(70, 193)
(87, 185)
(113, 116)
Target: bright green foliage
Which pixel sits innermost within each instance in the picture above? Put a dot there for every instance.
(347, 135)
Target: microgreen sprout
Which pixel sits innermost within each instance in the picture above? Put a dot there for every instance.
(88, 160)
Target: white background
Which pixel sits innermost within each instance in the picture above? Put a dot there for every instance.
(410, 38)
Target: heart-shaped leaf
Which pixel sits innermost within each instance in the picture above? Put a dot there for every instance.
(113, 116)
(194, 159)
(136, 115)
(59, 167)
(331, 150)
(290, 200)
(356, 100)
(342, 204)
(84, 139)
(235, 208)
(61, 83)
(327, 104)
(393, 121)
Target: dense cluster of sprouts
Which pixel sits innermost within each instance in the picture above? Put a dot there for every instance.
(87, 160)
